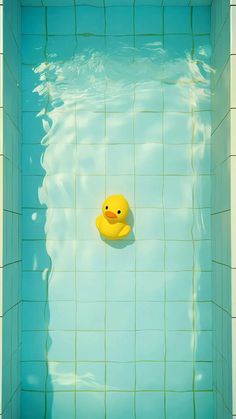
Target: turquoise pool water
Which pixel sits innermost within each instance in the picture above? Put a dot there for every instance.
(116, 99)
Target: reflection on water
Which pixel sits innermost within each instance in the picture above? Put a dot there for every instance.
(83, 80)
(136, 122)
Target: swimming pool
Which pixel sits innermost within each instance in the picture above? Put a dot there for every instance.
(118, 97)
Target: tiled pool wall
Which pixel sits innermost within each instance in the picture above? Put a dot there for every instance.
(108, 330)
(10, 117)
(223, 205)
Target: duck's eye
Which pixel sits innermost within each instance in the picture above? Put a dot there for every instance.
(119, 211)
(106, 207)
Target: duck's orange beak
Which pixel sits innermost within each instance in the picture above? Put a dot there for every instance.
(110, 214)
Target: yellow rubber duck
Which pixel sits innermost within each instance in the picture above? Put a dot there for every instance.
(112, 223)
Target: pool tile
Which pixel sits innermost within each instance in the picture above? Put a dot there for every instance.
(56, 249)
(56, 15)
(203, 376)
(149, 345)
(120, 316)
(33, 376)
(203, 100)
(148, 96)
(177, 20)
(179, 315)
(90, 376)
(61, 47)
(203, 285)
(91, 128)
(31, 156)
(179, 255)
(33, 20)
(91, 316)
(120, 405)
(119, 20)
(176, 97)
(203, 346)
(204, 404)
(120, 256)
(60, 224)
(33, 49)
(31, 187)
(179, 286)
(56, 286)
(33, 224)
(120, 376)
(202, 224)
(150, 376)
(148, 191)
(61, 376)
(179, 376)
(120, 346)
(120, 159)
(85, 45)
(86, 224)
(201, 19)
(35, 352)
(34, 286)
(118, 98)
(148, 20)
(90, 253)
(149, 404)
(123, 184)
(203, 314)
(148, 159)
(201, 158)
(90, 403)
(176, 46)
(90, 160)
(90, 20)
(33, 403)
(179, 346)
(178, 159)
(149, 315)
(203, 255)
(63, 404)
(90, 191)
(37, 256)
(177, 128)
(52, 161)
(62, 315)
(32, 128)
(149, 223)
(90, 346)
(149, 255)
(201, 192)
(120, 286)
(147, 46)
(149, 286)
(31, 100)
(179, 405)
(178, 191)
(61, 346)
(58, 191)
(148, 127)
(202, 45)
(119, 128)
(179, 224)
(90, 286)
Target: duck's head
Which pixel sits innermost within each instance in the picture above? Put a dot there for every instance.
(115, 208)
